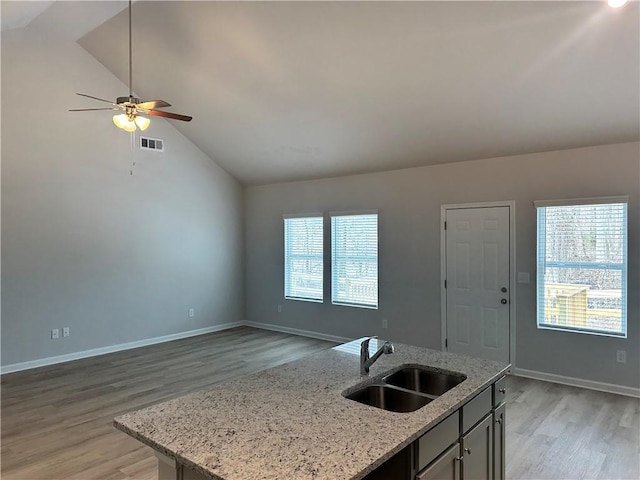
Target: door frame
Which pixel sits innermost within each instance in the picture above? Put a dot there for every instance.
(511, 204)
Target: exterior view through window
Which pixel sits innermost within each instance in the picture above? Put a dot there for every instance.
(582, 266)
(303, 261)
(354, 260)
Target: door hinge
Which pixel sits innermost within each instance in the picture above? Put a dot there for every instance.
(445, 284)
(445, 225)
(446, 343)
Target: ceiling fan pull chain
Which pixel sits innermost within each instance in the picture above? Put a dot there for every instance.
(133, 151)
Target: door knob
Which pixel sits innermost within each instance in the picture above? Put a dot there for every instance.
(503, 289)
(467, 450)
(503, 301)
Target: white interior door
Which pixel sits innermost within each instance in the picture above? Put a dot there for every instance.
(477, 282)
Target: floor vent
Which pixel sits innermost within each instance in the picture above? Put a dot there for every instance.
(154, 144)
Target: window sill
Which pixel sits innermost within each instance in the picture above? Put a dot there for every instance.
(599, 333)
(356, 305)
(300, 299)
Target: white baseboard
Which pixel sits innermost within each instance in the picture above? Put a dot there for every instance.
(296, 331)
(17, 367)
(521, 372)
(577, 382)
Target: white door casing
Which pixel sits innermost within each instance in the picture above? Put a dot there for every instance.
(477, 268)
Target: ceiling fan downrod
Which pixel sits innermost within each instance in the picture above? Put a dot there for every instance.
(130, 57)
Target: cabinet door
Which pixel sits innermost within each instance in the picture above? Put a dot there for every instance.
(445, 467)
(499, 437)
(477, 451)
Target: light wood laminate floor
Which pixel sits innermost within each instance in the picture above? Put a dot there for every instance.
(56, 421)
(561, 432)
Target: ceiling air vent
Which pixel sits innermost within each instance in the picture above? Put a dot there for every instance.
(154, 144)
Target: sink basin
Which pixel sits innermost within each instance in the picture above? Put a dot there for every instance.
(389, 398)
(425, 381)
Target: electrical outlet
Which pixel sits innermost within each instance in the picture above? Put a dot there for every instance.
(385, 323)
(55, 333)
(66, 331)
(621, 356)
(192, 313)
(279, 308)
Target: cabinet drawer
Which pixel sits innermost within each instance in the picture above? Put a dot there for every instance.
(476, 409)
(436, 440)
(499, 391)
(446, 467)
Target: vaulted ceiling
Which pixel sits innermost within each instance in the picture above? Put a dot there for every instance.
(19, 14)
(295, 90)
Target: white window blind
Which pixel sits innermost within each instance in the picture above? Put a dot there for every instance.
(354, 260)
(303, 258)
(582, 267)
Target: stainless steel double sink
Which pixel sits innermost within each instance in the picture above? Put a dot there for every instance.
(406, 389)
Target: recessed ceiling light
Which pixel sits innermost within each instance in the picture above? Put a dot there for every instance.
(616, 3)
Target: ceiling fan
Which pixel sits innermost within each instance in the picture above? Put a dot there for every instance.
(133, 107)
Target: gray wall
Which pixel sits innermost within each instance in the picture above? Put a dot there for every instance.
(117, 258)
(409, 251)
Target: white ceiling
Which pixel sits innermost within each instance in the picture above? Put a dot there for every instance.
(18, 14)
(298, 90)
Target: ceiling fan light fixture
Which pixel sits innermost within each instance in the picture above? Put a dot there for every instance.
(133, 106)
(142, 122)
(122, 121)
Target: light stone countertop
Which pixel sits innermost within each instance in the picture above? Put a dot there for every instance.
(292, 422)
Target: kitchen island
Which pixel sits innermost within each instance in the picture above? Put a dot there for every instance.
(293, 422)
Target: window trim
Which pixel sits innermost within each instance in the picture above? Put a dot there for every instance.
(623, 267)
(355, 213)
(290, 216)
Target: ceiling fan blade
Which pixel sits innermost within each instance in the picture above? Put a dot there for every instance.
(90, 109)
(95, 98)
(174, 116)
(153, 104)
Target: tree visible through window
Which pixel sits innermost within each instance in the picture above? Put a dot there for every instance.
(582, 266)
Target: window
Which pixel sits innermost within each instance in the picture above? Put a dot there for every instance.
(303, 263)
(582, 265)
(354, 260)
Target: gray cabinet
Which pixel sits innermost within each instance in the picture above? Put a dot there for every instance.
(499, 439)
(470, 434)
(445, 467)
(469, 444)
(477, 451)
(437, 440)
(476, 409)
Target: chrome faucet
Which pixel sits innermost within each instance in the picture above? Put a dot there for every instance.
(366, 361)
